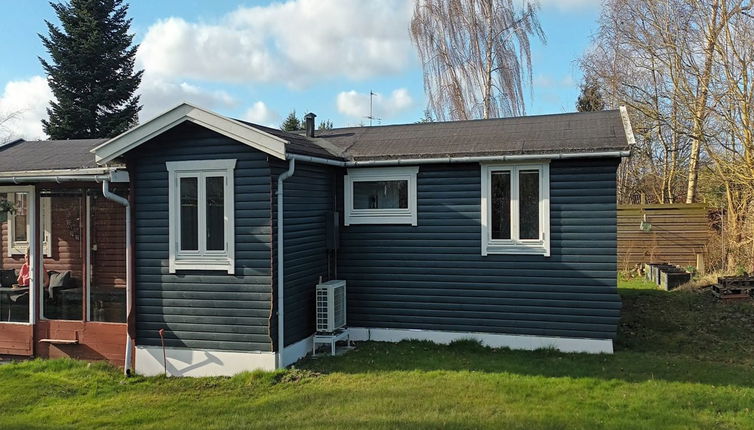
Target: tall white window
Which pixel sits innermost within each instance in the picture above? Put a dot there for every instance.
(516, 209)
(201, 215)
(19, 223)
(380, 195)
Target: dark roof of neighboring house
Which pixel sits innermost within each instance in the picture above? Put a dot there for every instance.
(299, 143)
(31, 155)
(541, 134)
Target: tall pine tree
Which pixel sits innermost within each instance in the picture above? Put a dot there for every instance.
(92, 70)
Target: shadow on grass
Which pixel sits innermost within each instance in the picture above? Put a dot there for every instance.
(678, 337)
(372, 357)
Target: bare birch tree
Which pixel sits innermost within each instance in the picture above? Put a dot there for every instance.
(476, 54)
(686, 70)
(6, 135)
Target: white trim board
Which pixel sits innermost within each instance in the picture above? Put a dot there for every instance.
(494, 340)
(200, 362)
(233, 129)
(295, 352)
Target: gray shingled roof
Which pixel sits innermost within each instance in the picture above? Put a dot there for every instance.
(48, 155)
(298, 143)
(542, 134)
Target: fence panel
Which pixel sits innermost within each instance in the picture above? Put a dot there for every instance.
(672, 233)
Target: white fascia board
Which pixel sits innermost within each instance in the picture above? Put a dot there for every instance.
(200, 362)
(627, 126)
(243, 133)
(297, 351)
(492, 340)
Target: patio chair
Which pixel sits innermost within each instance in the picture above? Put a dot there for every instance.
(8, 277)
(59, 281)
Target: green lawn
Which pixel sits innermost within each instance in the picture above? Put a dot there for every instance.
(682, 361)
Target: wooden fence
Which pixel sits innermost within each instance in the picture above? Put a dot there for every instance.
(672, 233)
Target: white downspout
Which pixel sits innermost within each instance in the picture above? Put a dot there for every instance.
(129, 276)
(281, 272)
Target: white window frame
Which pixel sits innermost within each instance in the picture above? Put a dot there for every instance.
(201, 259)
(514, 245)
(16, 247)
(380, 216)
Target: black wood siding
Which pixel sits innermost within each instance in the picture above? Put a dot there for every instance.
(433, 276)
(203, 309)
(309, 194)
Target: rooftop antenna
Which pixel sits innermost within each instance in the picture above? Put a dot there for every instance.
(371, 114)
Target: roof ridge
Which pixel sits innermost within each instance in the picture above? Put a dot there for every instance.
(508, 118)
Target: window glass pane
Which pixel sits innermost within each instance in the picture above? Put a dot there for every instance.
(19, 226)
(528, 207)
(189, 214)
(107, 292)
(14, 307)
(501, 205)
(215, 214)
(62, 289)
(380, 194)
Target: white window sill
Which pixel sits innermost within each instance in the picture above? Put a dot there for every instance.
(202, 264)
(380, 219)
(516, 250)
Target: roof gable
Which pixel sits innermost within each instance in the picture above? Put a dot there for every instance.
(233, 129)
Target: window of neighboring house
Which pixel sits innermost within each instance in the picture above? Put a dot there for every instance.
(19, 224)
(516, 209)
(380, 195)
(201, 215)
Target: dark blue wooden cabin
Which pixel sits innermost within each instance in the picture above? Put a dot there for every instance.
(500, 230)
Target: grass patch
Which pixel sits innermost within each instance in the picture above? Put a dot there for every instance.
(683, 360)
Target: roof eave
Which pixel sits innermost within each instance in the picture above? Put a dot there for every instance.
(462, 159)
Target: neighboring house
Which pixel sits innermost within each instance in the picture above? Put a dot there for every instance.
(501, 230)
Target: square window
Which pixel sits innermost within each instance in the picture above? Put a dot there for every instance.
(515, 209)
(380, 195)
(201, 215)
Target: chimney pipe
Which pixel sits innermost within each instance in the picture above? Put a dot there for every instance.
(310, 124)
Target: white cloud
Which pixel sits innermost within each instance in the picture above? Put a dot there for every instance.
(260, 113)
(295, 43)
(26, 101)
(159, 95)
(571, 5)
(355, 104)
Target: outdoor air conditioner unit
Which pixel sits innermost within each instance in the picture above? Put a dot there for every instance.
(331, 306)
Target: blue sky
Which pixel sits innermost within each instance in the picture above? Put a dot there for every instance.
(259, 60)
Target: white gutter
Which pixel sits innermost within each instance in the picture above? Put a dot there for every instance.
(58, 179)
(129, 275)
(449, 160)
(281, 266)
(63, 172)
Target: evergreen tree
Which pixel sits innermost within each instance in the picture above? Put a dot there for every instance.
(325, 125)
(590, 99)
(91, 72)
(292, 123)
